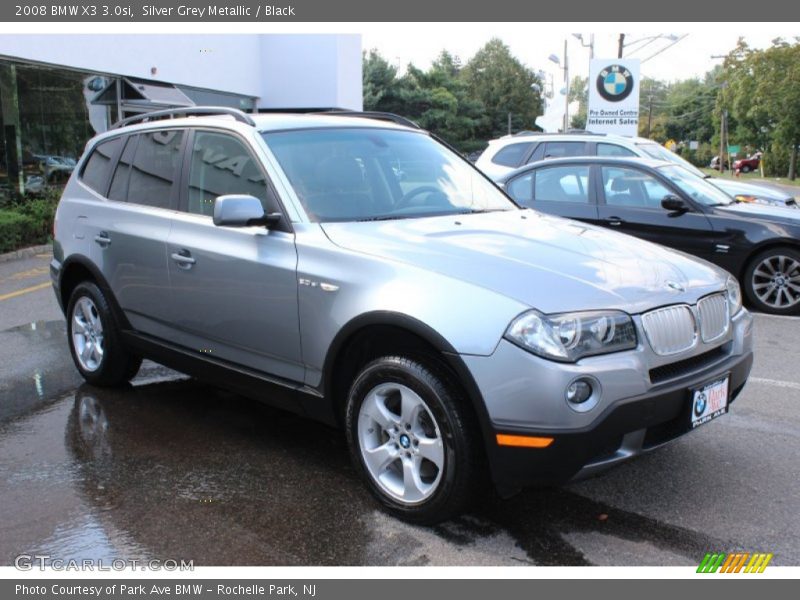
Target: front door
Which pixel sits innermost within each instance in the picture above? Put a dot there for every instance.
(234, 290)
(633, 205)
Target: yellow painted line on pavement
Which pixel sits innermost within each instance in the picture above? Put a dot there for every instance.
(28, 290)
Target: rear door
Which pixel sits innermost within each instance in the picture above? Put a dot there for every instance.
(630, 201)
(234, 289)
(561, 190)
(127, 229)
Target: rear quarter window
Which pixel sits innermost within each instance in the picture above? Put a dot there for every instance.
(511, 155)
(96, 172)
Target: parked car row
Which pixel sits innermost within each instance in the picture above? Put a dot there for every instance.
(510, 152)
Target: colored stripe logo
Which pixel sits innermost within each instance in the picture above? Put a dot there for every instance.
(738, 562)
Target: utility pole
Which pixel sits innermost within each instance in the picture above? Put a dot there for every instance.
(509, 123)
(621, 45)
(722, 127)
(650, 108)
(566, 89)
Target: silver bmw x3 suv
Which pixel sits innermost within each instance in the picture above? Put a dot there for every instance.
(354, 269)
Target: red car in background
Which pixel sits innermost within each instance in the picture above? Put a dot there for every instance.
(745, 165)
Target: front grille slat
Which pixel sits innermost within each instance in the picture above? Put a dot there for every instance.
(714, 320)
(670, 330)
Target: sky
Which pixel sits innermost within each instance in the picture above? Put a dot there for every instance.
(533, 43)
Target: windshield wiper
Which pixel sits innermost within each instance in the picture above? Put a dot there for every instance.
(383, 218)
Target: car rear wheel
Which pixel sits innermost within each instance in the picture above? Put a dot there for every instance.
(94, 339)
(772, 281)
(746, 169)
(413, 439)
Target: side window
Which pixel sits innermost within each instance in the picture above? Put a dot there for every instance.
(538, 153)
(122, 174)
(559, 149)
(155, 167)
(511, 155)
(521, 189)
(613, 150)
(569, 183)
(631, 187)
(95, 173)
(222, 164)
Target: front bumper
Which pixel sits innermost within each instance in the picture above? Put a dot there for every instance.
(635, 415)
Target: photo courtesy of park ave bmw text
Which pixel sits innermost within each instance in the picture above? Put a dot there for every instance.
(315, 299)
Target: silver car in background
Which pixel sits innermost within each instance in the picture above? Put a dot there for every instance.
(355, 270)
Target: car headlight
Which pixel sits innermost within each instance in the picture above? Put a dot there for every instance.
(734, 296)
(569, 337)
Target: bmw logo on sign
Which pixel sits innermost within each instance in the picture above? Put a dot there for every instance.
(615, 83)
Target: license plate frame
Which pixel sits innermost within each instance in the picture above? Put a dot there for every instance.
(709, 400)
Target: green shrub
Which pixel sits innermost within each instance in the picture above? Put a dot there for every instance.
(42, 211)
(18, 230)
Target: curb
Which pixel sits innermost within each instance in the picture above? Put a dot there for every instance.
(23, 253)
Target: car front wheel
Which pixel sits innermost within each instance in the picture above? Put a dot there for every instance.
(772, 281)
(413, 439)
(94, 339)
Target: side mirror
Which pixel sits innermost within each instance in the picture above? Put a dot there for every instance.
(241, 210)
(674, 204)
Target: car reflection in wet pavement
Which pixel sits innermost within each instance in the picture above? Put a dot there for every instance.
(170, 468)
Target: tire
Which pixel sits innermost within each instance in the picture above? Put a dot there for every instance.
(94, 339)
(746, 169)
(772, 281)
(424, 463)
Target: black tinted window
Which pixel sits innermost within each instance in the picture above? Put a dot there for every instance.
(562, 184)
(521, 189)
(154, 168)
(511, 155)
(221, 164)
(559, 149)
(95, 173)
(122, 174)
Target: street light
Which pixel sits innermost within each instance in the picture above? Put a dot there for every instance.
(590, 45)
(565, 67)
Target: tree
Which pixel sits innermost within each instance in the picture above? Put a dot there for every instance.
(503, 85)
(762, 92)
(579, 92)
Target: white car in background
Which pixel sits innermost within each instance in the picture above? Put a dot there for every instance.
(511, 152)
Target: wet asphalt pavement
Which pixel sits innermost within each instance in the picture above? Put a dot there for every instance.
(170, 468)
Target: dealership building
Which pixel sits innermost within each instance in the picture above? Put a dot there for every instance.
(57, 91)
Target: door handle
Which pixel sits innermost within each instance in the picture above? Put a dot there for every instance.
(102, 239)
(614, 221)
(184, 259)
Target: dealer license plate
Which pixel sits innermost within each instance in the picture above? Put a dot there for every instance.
(710, 401)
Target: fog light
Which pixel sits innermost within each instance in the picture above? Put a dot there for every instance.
(579, 391)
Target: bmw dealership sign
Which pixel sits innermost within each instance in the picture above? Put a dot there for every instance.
(613, 96)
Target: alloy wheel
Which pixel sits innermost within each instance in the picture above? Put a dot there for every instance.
(400, 443)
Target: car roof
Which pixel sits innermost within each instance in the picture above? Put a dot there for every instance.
(264, 123)
(589, 160)
(574, 136)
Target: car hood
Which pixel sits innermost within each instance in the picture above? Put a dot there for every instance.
(545, 262)
(735, 188)
(784, 215)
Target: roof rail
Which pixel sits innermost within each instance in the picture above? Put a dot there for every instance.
(373, 114)
(188, 111)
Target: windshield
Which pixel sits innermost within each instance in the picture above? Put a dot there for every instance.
(361, 174)
(659, 152)
(697, 188)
